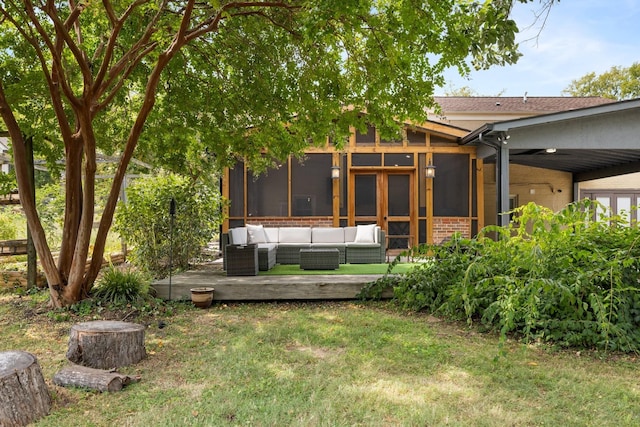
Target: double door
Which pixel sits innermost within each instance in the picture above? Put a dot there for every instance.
(386, 198)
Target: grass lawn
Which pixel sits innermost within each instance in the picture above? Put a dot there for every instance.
(328, 364)
(348, 269)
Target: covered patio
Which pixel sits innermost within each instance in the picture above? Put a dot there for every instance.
(589, 143)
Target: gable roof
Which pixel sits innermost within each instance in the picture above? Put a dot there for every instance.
(516, 104)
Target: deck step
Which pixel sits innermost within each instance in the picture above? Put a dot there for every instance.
(265, 288)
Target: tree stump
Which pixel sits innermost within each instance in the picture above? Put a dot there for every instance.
(24, 396)
(104, 344)
(95, 379)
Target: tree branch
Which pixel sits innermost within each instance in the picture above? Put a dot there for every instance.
(117, 24)
(129, 60)
(52, 83)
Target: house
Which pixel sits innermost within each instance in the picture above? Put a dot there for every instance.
(548, 187)
(370, 180)
(479, 174)
(556, 158)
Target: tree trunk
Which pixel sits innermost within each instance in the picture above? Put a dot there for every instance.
(24, 397)
(95, 379)
(106, 344)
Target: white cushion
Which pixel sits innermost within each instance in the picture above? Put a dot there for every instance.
(256, 234)
(272, 234)
(327, 235)
(294, 235)
(349, 234)
(365, 233)
(238, 236)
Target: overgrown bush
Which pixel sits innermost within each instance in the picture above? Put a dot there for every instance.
(8, 230)
(121, 286)
(556, 277)
(146, 224)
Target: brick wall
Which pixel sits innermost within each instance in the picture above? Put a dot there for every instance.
(444, 227)
(293, 222)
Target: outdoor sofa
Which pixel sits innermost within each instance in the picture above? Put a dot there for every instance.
(361, 244)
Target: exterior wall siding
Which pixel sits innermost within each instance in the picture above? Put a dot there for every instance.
(553, 189)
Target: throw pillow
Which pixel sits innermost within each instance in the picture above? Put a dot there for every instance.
(256, 234)
(364, 233)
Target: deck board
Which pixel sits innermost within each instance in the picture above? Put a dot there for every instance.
(265, 288)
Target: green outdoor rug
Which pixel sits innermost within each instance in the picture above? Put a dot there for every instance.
(345, 269)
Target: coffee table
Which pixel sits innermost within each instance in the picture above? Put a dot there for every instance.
(320, 259)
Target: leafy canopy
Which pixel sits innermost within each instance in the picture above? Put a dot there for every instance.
(618, 83)
(188, 85)
(288, 71)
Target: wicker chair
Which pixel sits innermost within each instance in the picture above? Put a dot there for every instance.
(242, 260)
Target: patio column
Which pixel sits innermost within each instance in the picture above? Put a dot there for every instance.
(502, 185)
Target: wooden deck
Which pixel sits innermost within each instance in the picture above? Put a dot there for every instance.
(265, 288)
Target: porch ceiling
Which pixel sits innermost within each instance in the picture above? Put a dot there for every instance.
(578, 161)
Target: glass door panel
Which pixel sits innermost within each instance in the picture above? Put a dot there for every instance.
(604, 209)
(623, 208)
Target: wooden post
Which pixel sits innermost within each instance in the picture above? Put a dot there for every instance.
(32, 257)
(24, 397)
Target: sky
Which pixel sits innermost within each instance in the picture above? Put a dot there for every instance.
(578, 37)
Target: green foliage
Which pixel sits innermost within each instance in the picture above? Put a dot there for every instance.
(8, 183)
(50, 204)
(118, 286)
(8, 224)
(298, 59)
(552, 277)
(145, 223)
(618, 83)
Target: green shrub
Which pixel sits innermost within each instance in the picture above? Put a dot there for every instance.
(555, 277)
(8, 230)
(146, 225)
(119, 286)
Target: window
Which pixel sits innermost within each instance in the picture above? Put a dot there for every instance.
(236, 190)
(398, 159)
(614, 202)
(311, 186)
(451, 185)
(415, 137)
(513, 203)
(267, 193)
(366, 159)
(368, 138)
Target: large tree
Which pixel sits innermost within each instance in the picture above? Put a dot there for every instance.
(618, 83)
(233, 79)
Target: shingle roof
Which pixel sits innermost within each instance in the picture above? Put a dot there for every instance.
(516, 104)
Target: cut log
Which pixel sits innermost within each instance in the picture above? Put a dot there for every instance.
(95, 379)
(105, 344)
(24, 396)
